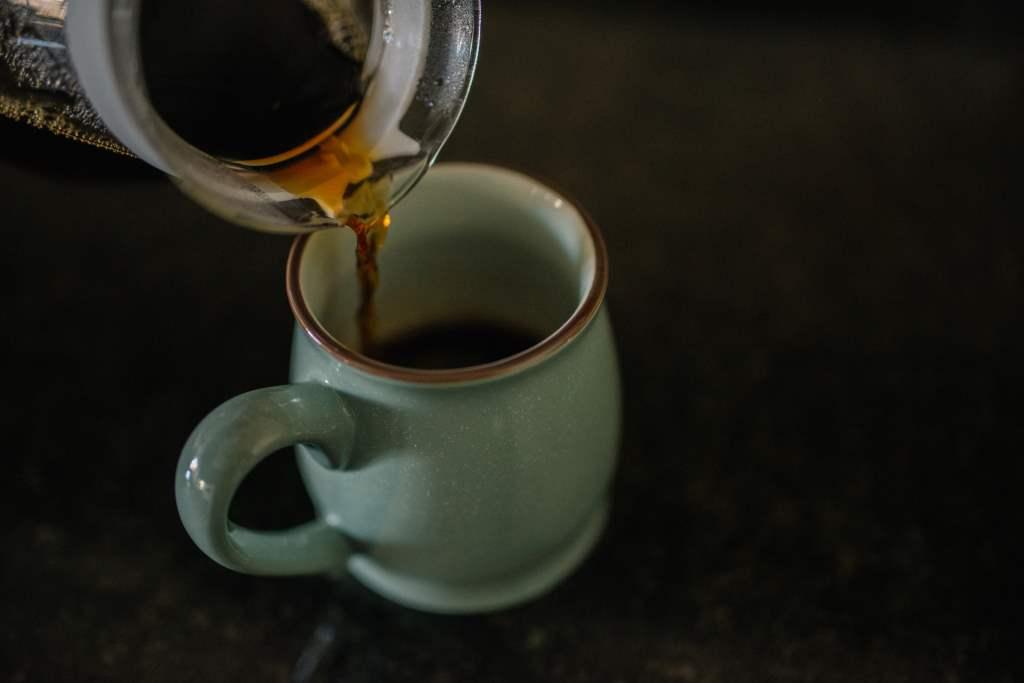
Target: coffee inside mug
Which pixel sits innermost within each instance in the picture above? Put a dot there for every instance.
(480, 273)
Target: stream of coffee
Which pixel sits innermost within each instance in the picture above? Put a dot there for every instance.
(283, 89)
(369, 238)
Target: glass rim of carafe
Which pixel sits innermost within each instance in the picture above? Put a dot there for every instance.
(114, 81)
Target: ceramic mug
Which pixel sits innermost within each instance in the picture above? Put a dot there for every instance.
(458, 490)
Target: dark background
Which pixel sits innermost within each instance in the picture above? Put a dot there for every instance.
(817, 267)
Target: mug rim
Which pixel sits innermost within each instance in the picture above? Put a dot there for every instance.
(570, 328)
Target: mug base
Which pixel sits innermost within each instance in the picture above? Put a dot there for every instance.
(441, 598)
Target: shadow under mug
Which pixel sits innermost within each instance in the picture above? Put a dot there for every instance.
(458, 490)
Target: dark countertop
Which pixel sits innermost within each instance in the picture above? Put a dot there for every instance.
(817, 280)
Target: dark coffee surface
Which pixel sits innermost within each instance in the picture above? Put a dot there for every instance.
(816, 291)
(244, 80)
(452, 345)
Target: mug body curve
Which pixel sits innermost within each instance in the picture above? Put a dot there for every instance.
(474, 486)
(477, 485)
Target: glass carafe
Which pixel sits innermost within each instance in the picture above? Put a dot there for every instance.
(280, 115)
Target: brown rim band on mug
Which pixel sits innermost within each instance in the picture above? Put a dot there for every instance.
(584, 313)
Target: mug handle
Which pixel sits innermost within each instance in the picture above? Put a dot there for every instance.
(228, 444)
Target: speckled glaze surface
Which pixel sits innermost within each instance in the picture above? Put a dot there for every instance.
(449, 491)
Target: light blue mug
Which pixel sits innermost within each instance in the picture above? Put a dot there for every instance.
(460, 490)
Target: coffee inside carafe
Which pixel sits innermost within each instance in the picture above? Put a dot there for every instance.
(250, 81)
